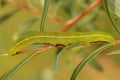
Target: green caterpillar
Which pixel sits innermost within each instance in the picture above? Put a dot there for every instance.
(64, 38)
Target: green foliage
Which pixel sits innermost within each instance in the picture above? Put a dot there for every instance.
(18, 66)
(88, 59)
(59, 56)
(106, 6)
(94, 63)
(114, 5)
(114, 52)
(44, 15)
(62, 10)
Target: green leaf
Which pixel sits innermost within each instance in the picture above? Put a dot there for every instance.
(7, 15)
(117, 21)
(114, 52)
(114, 5)
(59, 56)
(105, 4)
(44, 15)
(96, 65)
(93, 63)
(88, 59)
(17, 67)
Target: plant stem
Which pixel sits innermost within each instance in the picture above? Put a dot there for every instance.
(71, 22)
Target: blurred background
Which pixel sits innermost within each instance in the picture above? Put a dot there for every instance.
(16, 21)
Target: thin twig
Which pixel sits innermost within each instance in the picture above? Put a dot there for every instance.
(67, 24)
(117, 41)
(33, 49)
(71, 22)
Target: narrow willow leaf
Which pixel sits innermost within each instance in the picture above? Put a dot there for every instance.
(64, 38)
(18, 66)
(96, 65)
(93, 63)
(117, 21)
(44, 15)
(114, 52)
(114, 5)
(88, 59)
(105, 4)
(8, 15)
(59, 56)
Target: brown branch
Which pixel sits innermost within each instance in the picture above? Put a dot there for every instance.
(117, 41)
(35, 49)
(71, 22)
(20, 5)
(67, 24)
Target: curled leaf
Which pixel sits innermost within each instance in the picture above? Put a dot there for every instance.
(106, 6)
(114, 5)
